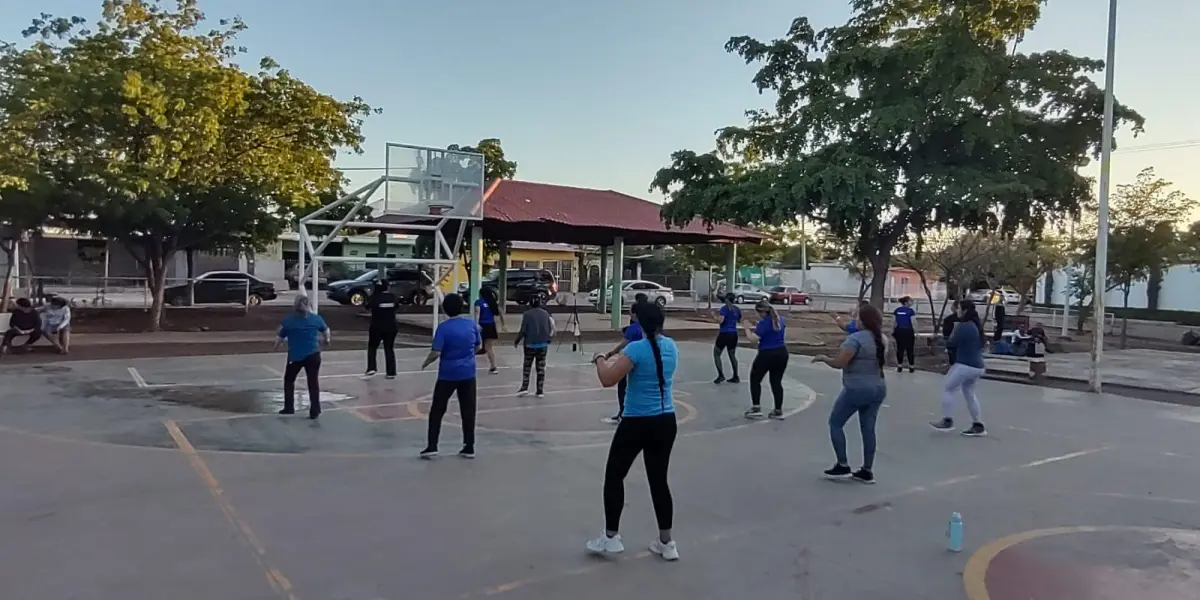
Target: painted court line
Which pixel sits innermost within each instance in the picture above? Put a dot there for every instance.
(333, 376)
(278, 582)
(137, 377)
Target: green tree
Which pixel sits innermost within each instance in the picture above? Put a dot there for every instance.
(162, 143)
(909, 117)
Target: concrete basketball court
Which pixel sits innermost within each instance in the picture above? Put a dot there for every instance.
(173, 478)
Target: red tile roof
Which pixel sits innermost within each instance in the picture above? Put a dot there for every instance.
(597, 215)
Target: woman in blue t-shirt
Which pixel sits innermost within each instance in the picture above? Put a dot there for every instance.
(647, 427)
(489, 312)
(905, 334)
(303, 331)
(728, 319)
(455, 344)
(772, 359)
(966, 342)
(630, 333)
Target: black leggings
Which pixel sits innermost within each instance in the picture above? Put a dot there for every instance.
(726, 342)
(653, 438)
(311, 365)
(621, 386)
(386, 337)
(774, 362)
(442, 390)
(906, 345)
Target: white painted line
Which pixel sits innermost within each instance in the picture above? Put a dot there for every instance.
(1151, 498)
(137, 377)
(1054, 459)
(272, 370)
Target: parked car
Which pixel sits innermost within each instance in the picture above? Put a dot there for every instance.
(658, 294)
(410, 286)
(523, 284)
(294, 284)
(986, 296)
(785, 294)
(744, 293)
(222, 287)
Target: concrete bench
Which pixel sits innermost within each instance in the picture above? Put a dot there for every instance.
(1030, 366)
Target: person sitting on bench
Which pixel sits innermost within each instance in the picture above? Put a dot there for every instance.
(56, 324)
(23, 322)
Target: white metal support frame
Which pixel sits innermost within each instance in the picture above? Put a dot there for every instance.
(312, 257)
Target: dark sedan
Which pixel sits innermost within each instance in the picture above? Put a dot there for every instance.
(222, 287)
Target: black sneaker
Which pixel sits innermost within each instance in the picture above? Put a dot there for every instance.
(776, 414)
(899, 369)
(912, 369)
(719, 379)
(942, 425)
(369, 373)
(733, 379)
(288, 411)
(755, 412)
(313, 415)
(467, 452)
(863, 476)
(976, 430)
(493, 370)
(428, 453)
(389, 376)
(838, 472)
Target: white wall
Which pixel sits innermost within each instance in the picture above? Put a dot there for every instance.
(1180, 290)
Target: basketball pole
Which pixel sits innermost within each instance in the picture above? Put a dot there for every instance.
(1100, 285)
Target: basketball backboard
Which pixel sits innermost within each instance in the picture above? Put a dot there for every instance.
(424, 182)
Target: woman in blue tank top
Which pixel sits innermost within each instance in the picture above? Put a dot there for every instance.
(647, 427)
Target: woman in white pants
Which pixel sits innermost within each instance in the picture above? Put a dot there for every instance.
(966, 346)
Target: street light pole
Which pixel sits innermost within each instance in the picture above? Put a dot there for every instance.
(1100, 284)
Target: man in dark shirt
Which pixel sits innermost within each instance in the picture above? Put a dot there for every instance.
(383, 329)
(23, 321)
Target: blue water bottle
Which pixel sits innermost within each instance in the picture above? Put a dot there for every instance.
(955, 533)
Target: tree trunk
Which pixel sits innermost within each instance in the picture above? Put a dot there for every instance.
(190, 256)
(1125, 317)
(156, 278)
(1153, 288)
(1048, 293)
(7, 282)
(928, 296)
(881, 264)
(1081, 313)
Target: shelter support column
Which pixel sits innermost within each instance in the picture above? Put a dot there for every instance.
(476, 274)
(730, 267)
(602, 302)
(618, 272)
(503, 279)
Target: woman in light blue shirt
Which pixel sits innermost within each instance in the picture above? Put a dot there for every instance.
(647, 427)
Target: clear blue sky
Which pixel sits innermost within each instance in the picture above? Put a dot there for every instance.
(599, 94)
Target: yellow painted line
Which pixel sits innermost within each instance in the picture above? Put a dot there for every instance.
(278, 582)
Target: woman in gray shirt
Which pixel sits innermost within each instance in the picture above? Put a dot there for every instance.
(861, 360)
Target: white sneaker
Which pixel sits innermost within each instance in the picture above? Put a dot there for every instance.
(669, 551)
(522, 392)
(606, 545)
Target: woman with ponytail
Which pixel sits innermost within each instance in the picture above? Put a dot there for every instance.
(861, 360)
(489, 312)
(647, 427)
(772, 359)
(965, 345)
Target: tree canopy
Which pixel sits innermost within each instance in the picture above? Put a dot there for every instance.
(145, 131)
(907, 118)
